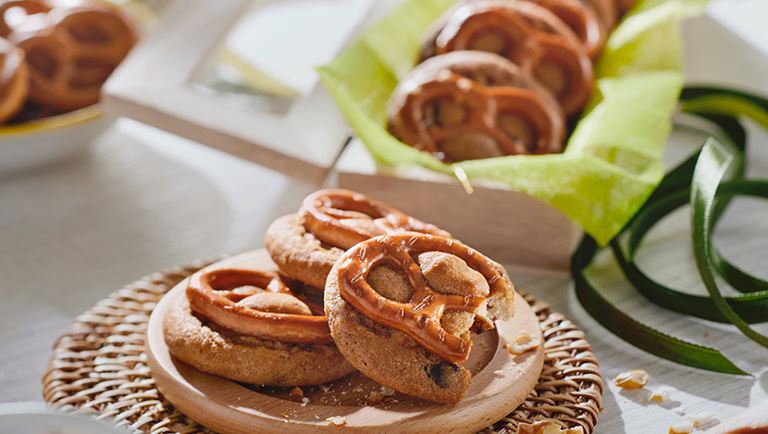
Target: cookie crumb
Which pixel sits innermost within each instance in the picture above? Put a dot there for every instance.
(337, 420)
(632, 379)
(662, 394)
(547, 427)
(375, 397)
(681, 428)
(701, 420)
(522, 344)
(296, 394)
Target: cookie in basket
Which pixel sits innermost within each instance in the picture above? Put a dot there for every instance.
(467, 105)
(401, 309)
(528, 35)
(305, 245)
(249, 325)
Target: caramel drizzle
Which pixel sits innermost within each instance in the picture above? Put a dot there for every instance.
(420, 317)
(484, 106)
(525, 45)
(326, 210)
(211, 294)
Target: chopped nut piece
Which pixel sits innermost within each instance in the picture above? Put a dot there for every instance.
(547, 427)
(522, 344)
(296, 394)
(681, 428)
(662, 395)
(337, 420)
(632, 379)
(702, 419)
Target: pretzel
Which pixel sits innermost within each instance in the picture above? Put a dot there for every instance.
(74, 54)
(531, 37)
(14, 80)
(420, 317)
(606, 10)
(582, 19)
(625, 5)
(227, 296)
(35, 16)
(343, 218)
(536, 125)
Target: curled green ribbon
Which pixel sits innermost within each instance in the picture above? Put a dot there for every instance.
(707, 180)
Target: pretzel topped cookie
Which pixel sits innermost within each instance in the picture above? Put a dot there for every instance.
(305, 245)
(470, 104)
(71, 49)
(526, 34)
(402, 309)
(343, 218)
(252, 326)
(255, 303)
(420, 317)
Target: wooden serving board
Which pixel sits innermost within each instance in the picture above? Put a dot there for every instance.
(352, 404)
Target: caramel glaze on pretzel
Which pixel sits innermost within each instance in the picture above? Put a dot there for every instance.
(519, 120)
(528, 35)
(420, 317)
(582, 20)
(343, 218)
(71, 50)
(222, 296)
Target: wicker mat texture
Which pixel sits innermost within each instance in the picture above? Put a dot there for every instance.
(99, 366)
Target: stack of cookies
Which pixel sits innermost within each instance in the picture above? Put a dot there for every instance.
(360, 286)
(502, 77)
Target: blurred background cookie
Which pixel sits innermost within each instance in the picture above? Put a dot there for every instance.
(71, 47)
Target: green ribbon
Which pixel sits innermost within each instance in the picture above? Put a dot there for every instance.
(707, 180)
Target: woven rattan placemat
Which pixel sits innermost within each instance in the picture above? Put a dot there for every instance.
(99, 366)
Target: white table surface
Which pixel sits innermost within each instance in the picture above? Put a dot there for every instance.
(143, 200)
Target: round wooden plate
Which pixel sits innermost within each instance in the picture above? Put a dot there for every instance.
(501, 381)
